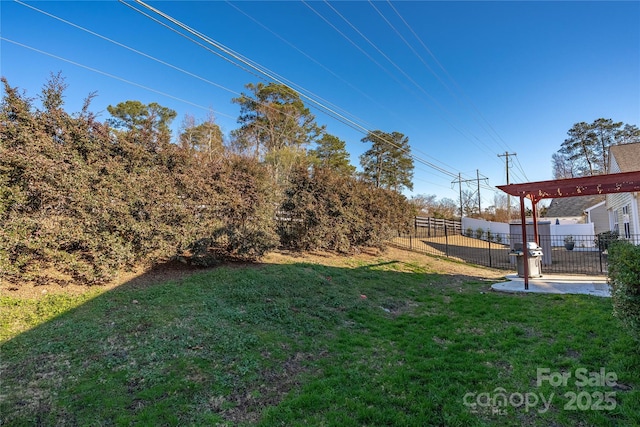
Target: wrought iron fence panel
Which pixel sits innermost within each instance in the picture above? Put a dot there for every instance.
(561, 254)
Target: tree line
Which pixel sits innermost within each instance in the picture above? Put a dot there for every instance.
(82, 199)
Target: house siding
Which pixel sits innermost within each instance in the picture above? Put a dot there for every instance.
(613, 166)
(624, 158)
(600, 218)
(616, 204)
(635, 218)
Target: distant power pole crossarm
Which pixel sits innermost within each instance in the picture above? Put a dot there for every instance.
(506, 156)
(459, 181)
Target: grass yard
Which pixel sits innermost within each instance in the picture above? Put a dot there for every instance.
(393, 339)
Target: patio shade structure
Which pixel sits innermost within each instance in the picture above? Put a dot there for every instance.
(626, 182)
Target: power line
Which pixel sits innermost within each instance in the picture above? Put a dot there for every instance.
(506, 156)
(142, 53)
(449, 76)
(146, 55)
(315, 61)
(273, 76)
(95, 70)
(130, 49)
(353, 43)
(459, 181)
(339, 117)
(439, 106)
(522, 170)
(132, 83)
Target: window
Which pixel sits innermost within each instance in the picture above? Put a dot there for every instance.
(614, 221)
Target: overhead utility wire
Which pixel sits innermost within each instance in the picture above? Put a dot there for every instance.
(448, 75)
(417, 85)
(187, 37)
(138, 52)
(428, 67)
(333, 74)
(261, 70)
(355, 45)
(315, 61)
(252, 64)
(209, 50)
(135, 51)
(376, 63)
(219, 113)
(237, 56)
(521, 169)
(407, 43)
(111, 75)
(411, 47)
(128, 48)
(95, 70)
(450, 78)
(408, 77)
(144, 54)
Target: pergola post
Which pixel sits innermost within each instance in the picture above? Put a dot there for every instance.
(525, 252)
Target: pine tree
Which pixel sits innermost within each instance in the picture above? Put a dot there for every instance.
(331, 152)
(388, 163)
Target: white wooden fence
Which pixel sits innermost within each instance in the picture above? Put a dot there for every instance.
(584, 233)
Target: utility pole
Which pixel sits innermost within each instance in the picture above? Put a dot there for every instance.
(506, 156)
(460, 181)
(478, 177)
(460, 187)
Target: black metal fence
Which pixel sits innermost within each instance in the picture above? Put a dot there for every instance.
(561, 254)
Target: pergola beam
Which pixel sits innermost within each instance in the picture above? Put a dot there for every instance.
(626, 182)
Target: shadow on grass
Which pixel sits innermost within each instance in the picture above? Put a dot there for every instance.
(383, 343)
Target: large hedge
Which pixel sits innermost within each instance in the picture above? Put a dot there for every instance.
(624, 278)
(324, 209)
(81, 200)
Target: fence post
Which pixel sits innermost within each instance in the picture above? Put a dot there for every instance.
(489, 240)
(415, 225)
(410, 243)
(600, 254)
(446, 241)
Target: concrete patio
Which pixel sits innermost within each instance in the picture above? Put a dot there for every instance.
(557, 284)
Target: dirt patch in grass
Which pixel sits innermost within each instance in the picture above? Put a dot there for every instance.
(246, 406)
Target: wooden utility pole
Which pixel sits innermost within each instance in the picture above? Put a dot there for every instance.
(506, 156)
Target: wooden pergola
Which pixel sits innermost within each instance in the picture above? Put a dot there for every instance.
(627, 182)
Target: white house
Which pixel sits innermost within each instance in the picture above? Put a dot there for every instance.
(624, 208)
(598, 215)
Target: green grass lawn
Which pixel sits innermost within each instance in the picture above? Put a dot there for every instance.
(348, 344)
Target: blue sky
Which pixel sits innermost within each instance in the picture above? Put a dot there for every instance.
(465, 81)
